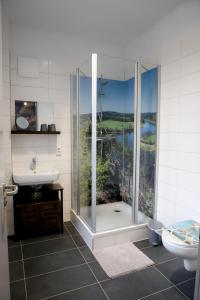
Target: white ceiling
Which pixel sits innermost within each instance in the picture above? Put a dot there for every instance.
(113, 21)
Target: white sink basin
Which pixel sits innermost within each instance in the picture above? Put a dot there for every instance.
(30, 177)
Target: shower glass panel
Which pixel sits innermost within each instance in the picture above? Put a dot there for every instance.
(85, 140)
(148, 133)
(115, 129)
(73, 91)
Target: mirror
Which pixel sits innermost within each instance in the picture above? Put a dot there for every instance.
(30, 115)
(26, 115)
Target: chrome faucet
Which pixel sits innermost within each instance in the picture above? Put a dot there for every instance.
(33, 164)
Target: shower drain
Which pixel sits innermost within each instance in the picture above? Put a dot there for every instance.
(117, 210)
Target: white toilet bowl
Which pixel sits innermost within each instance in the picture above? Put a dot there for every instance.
(179, 248)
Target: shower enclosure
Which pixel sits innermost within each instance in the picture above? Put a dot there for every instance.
(114, 140)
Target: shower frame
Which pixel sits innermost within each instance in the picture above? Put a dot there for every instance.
(75, 211)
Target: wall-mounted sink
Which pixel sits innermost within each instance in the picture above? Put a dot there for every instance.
(31, 177)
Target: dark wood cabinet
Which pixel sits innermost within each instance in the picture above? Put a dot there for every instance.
(38, 210)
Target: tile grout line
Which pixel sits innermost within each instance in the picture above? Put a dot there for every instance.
(24, 271)
(160, 291)
(159, 263)
(53, 271)
(165, 261)
(157, 293)
(11, 247)
(143, 248)
(17, 280)
(171, 282)
(177, 287)
(71, 249)
(45, 240)
(51, 253)
(41, 241)
(73, 290)
(57, 89)
(181, 292)
(69, 291)
(182, 282)
(104, 292)
(14, 261)
(57, 270)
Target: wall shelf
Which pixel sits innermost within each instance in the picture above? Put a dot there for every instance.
(34, 132)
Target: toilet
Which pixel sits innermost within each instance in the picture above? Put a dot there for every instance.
(179, 248)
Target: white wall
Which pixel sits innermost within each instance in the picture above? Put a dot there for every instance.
(174, 43)
(1, 102)
(58, 55)
(5, 116)
(51, 91)
(72, 50)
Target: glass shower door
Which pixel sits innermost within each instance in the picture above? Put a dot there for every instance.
(114, 131)
(74, 152)
(148, 134)
(85, 142)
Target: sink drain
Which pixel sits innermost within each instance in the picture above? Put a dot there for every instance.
(117, 210)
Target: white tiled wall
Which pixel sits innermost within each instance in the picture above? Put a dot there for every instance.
(5, 119)
(174, 44)
(179, 159)
(52, 89)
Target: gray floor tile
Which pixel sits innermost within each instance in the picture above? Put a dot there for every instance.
(135, 285)
(46, 237)
(187, 288)
(47, 247)
(58, 282)
(175, 271)
(87, 293)
(142, 244)
(16, 270)
(87, 253)
(98, 271)
(70, 227)
(79, 241)
(17, 290)
(171, 293)
(14, 253)
(158, 254)
(52, 262)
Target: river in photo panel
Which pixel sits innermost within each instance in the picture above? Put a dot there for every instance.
(115, 119)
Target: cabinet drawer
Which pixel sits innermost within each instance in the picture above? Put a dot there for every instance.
(27, 212)
(38, 218)
(50, 207)
(38, 210)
